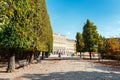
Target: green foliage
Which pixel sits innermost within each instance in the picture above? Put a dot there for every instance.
(47, 34)
(79, 42)
(90, 36)
(24, 27)
(101, 47)
(25, 24)
(13, 33)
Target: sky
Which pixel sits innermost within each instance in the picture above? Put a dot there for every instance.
(68, 17)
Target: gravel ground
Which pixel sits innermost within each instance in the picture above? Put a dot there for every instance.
(63, 69)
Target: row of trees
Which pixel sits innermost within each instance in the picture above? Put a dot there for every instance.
(24, 30)
(91, 41)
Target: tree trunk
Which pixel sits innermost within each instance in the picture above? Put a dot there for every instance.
(43, 55)
(39, 57)
(46, 55)
(99, 56)
(80, 54)
(83, 55)
(90, 55)
(31, 57)
(11, 62)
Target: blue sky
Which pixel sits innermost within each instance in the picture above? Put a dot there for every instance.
(69, 16)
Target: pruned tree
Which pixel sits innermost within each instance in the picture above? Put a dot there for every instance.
(79, 43)
(24, 27)
(13, 35)
(90, 36)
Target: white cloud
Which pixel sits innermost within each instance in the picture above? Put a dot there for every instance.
(68, 33)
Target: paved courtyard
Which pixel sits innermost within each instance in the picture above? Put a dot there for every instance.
(66, 68)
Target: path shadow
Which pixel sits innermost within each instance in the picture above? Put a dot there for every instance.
(78, 75)
(106, 68)
(61, 58)
(3, 72)
(4, 79)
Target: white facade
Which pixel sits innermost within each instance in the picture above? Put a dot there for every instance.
(59, 43)
(71, 46)
(63, 45)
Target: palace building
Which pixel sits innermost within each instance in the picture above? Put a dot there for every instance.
(63, 45)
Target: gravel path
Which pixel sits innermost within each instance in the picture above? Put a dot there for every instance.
(65, 69)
